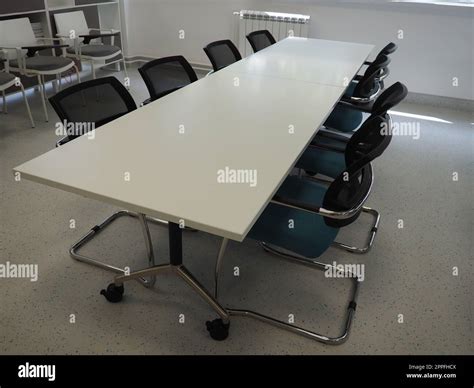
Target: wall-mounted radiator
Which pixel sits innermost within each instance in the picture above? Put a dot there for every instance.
(281, 25)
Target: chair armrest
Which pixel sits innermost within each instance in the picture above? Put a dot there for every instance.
(299, 205)
(88, 37)
(32, 50)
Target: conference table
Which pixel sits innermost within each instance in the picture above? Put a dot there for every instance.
(256, 115)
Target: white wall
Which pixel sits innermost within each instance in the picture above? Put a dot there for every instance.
(437, 46)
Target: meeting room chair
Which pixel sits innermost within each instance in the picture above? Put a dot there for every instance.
(21, 48)
(260, 40)
(96, 103)
(332, 158)
(365, 88)
(347, 117)
(387, 50)
(165, 75)
(87, 43)
(222, 53)
(318, 213)
(8, 80)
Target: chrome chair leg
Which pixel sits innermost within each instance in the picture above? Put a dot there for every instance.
(370, 239)
(144, 220)
(286, 326)
(98, 228)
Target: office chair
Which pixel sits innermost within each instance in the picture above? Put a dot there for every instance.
(333, 157)
(318, 212)
(8, 80)
(387, 50)
(365, 88)
(260, 40)
(166, 75)
(98, 102)
(222, 53)
(347, 117)
(20, 47)
(72, 27)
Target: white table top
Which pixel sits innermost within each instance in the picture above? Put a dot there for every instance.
(173, 176)
(312, 60)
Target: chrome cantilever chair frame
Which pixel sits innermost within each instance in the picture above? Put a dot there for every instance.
(306, 262)
(95, 230)
(376, 215)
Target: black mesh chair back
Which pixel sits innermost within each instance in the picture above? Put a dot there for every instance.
(260, 40)
(371, 139)
(349, 190)
(91, 104)
(391, 97)
(369, 84)
(388, 49)
(166, 75)
(222, 53)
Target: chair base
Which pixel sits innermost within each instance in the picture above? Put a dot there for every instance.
(370, 239)
(286, 326)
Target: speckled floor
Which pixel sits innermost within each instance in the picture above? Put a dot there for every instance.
(408, 272)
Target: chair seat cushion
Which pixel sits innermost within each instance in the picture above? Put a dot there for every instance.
(44, 63)
(326, 162)
(309, 236)
(344, 119)
(6, 78)
(96, 50)
(350, 89)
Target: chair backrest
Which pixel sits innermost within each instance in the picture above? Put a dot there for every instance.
(388, 49)
(165, 75)
(91, 104)
(66, 22)
(71, 23)
(222, 53)
(391, 97)
(369, 140)
(260, 40)
(369, 83)
(16, 33)
(348, 190)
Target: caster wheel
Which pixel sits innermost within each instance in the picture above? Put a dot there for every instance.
(113, 293)
(218, 330)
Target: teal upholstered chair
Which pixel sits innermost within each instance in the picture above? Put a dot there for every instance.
(317, 213)
(391, 97)
(333, 157)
